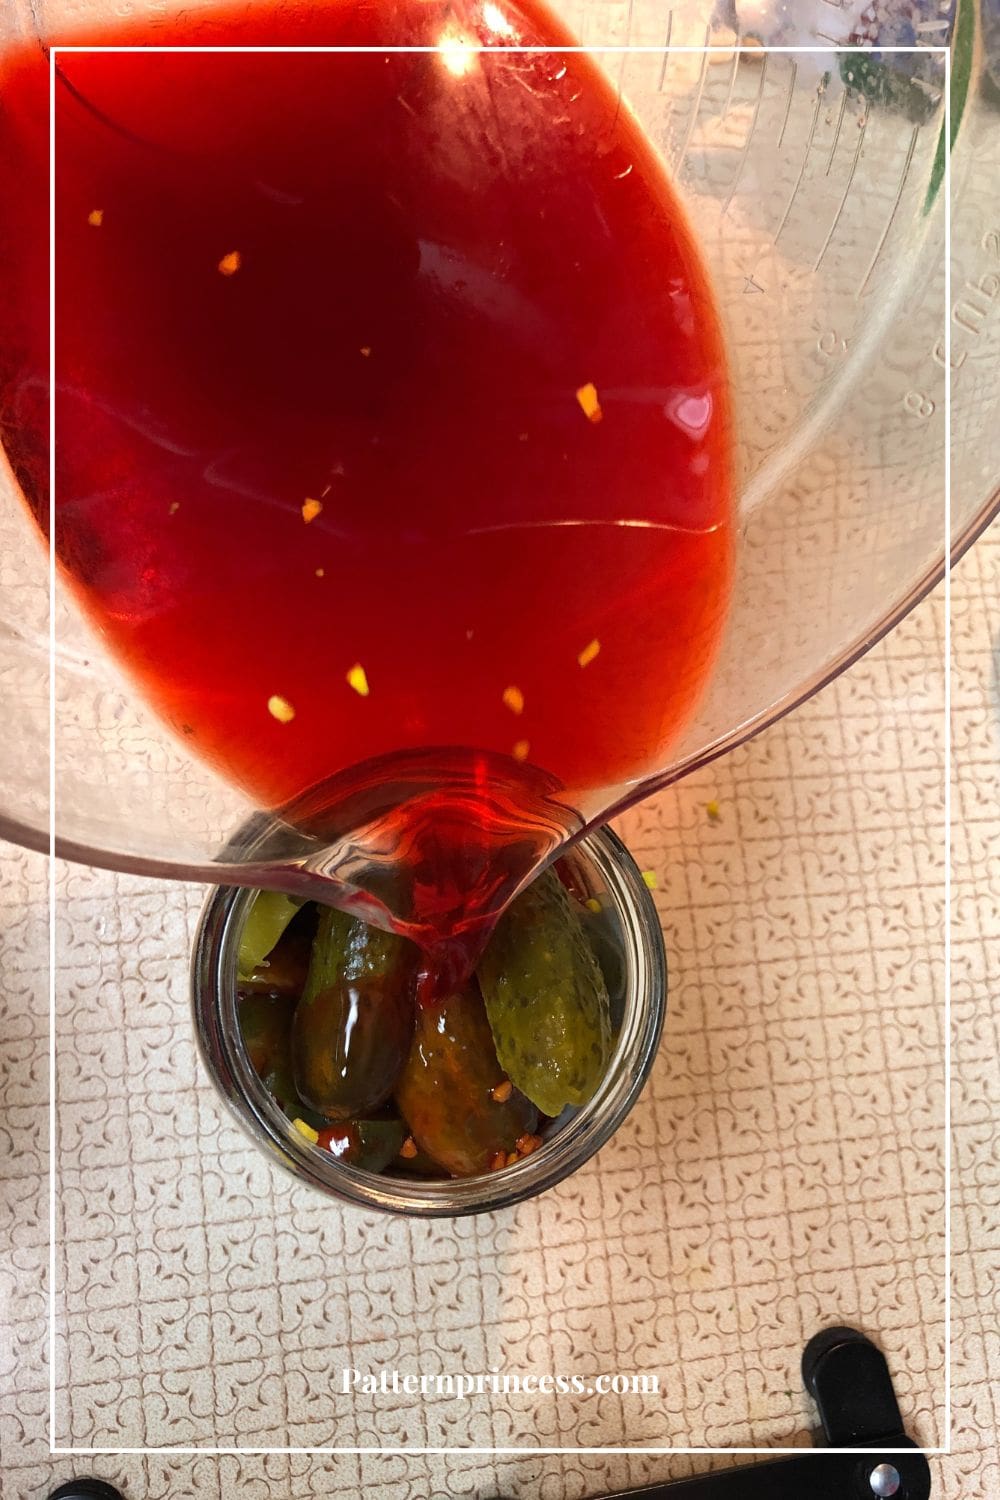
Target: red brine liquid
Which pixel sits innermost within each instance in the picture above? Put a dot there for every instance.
(392, 428)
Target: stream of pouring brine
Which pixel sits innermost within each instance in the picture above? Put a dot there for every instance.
(392, 425)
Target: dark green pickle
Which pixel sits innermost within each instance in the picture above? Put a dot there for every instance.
(354, 1023)
(371, 1144)
(445, 1091)
(266, 1024)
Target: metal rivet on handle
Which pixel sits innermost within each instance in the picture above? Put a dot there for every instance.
(884, 1480)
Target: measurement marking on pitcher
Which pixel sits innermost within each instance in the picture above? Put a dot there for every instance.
(893, 211)
(919, 404)
(737, 59)
(746, 144)
(847, 189)
(788, 101)
(836, 133)
(802, 169)
(696, 106)
(666, 52)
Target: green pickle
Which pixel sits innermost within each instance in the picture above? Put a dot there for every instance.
(354, 1023)
(265, 1021)
(445, 1089)
(283, 971)
(604, 937)
(546, 999)
(269, 915)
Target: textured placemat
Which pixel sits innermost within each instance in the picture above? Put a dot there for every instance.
(784, 1167)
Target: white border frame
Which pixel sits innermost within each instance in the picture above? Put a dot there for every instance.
(380, 51)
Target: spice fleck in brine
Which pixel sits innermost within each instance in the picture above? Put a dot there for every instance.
(280, 709)
(589, 403)
(358, 679)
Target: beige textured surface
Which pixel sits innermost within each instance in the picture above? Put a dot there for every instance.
(782, 1169)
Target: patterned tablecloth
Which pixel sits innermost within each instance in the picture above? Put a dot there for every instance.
(783, 1169)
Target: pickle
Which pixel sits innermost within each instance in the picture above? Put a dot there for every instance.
(354, 1023)
(371, 1144)
(890, 82)
(265, 1021)
(445, 1089)
(283, 971)
(266, 1024)
(269, 915)
(546, 999)
(328, 956)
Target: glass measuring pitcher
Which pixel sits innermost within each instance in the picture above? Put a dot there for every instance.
(814, 183)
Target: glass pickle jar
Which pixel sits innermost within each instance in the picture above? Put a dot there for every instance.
(634, 960)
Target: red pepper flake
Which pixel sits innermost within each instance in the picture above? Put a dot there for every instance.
(408, 1149)
(502, 1091)
(528, 1143)
(497, 1160)
(230, 264)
